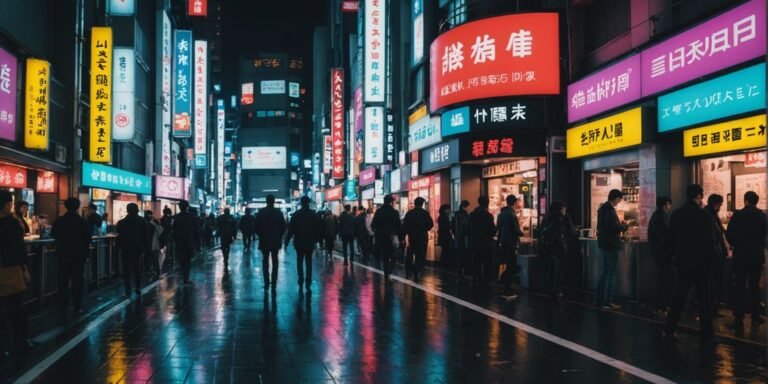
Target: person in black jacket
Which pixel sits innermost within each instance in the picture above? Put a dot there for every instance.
(461, 237)
(270, 227)
(481, 231)
(186, 233)
(509, 239)
(94, 219)
(73, 238)
(714, 204)
(386, 226)
(13, 253)
(361, 233)
(132, 240)
(555, 234)
(227, 233)
(306, 231)
(746, 233)
(661, 250)
(695, 250)
(246, 227)
(347, 233)
(416, 226)
(444, 237)
(609, 230)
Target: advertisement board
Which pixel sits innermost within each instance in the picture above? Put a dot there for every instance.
(8, 84)
(101, 95)
(455, 121)
(47, 182)
(220, 121)
(294, 90)
(614, 132)
(614, 86)
(12, 176)
(367, 176)
(264, 158)
(418, 30)
(36, 104)
(201, 100)
(115, 179)
(423, 129)
(272, 87)
(123, 94)
(337, 121)
(729, 136)
(374, 135)
(439, 156)
(121, 7)
(246, 91)
(167, 187)
(494, 145)
(375, 51)
(197, 8)
(182, 66)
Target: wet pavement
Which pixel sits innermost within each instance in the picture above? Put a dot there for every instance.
(355, 327)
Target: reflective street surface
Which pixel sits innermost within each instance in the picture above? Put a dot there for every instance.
(354, 327)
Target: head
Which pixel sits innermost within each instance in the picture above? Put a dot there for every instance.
(464, 205)
(615, 196)
(6, 201)
(695, 193)
(664, 203)
(751, 198)
(370, 211)
(347, 208)
(483, 201)
(248, 210)
(183, 205)
(511, 200)
(445, 209)
(148, 215)
(167, 211)
(270, 200)
(72, 204)
(22, 208)
(389, 200)
(557, 208)
(361, 209)
(132, 209)
(304, 203)
(92, 208)
(419, 202)
(715, 202)
(226, 211)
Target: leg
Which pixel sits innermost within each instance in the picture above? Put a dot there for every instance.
(753, 278)
(136, 263)
(274, 254)
(185, 259)
(662, 289)
(344, 243)
(703, 282)
(127, 267)
(740, 278)
(18, 320)
(265, 267)
(421, 255)
(76, 273)
(610, 266)
(678, 300)
(63, 284)
(225, 245)
(300, 266)
(308, 267)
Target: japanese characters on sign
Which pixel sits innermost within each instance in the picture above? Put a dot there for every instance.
(123, 91)
(327, 154)
(47, 182)
(374, 135)
(729, 95)
(115, 179)
(455, 121)
(8, 73)
(247, 94)
(730, 136)
(359, 131)
(165, 92)
(375, 51)
(220, 120)
(36, 104)
(723, 41)
(198, 8)
(439, 156)
(182, 66)
(12, 176)
(101, 95)
(423, 130)
(201, 100)
(334, 194)
(617, 131)
(418, 30)
(524, 113)
(482, 148)
(609, 88)
(167, 187)
(390, 139)
(337, 121)
(499, 56)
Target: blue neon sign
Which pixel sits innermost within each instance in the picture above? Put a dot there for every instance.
(455, 121)
(115, 179)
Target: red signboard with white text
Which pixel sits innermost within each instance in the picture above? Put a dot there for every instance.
(350, 6)
(337, 122)
(499, 56)
(198, 8)
(12, 176)
(46, 182)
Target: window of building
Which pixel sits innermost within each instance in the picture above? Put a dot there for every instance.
(457, 12)
(604, 21)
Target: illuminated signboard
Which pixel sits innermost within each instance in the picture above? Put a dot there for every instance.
(201, 101)
(101, 95)
(327, 154)
(333, 194)
(350, 6)
(614, 132)
(367, 176)
(164, 53)
(272, 87)
(374, 51)
(198, 8)
(8, 73)
(220, 120)
(609, 88)
(264, 158)
(12, 176)
(121, 7)
(439, 156)
(423, 129)
(182, 65)
(36, 104)
(455, 121)
(167, 187)
(730, 136)
(115, 179)
(247, 94)
(337, 121)
(498, 146)
(499, 56)
(47, 182)
(294, 90)
(374, 135)
(123, 94)
(418, 30)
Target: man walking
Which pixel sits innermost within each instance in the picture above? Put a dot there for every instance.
(460, 236)
(270, 227)
(246, 227)
(167, 240)
(361, 234)
(227, 234)
(154, 232)
(305, 229)
(509, 239)
(481, 231)
(330, 225)
(416, 226)
(347, 233)
(609, 230)
(186, 232)
(73, 238)
(714, 203)
(661, 250)
(386, 228)
(746, 233)
(132, 241)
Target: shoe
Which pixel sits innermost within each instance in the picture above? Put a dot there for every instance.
(509, 296)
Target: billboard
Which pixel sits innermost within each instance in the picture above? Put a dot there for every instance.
(418, 30)
(201, 100)
(182, 66)
(101, 95)
(730, 136)
(612, 87)
(375, 51)
(220, 121)
(115, 179)
(423, 129)
(123, 94)
(337, 121)
(272, 87)
(36, 104)
(8, 73)
(246, 91)
(165, 47)
(614, 132)
(198, 8)
(264, 158)
(294, 90)
(374, 135)
(167, 187)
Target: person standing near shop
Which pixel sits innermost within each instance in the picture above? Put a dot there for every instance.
(22, 214)
(73, 239)
(556, 232)
(372, 248)
(186, 233)
(361, 234)
(481, 231)
(661, 250)
(347, 234)
(246, 227)
(714, 204)
(509, 240)
(386, 229)
(227, 234)
(695, 251)
(746, 233)
(330, 225)
(305, 230)
(166, 240)
(94, 219)
(460, 237)
(609, 230)
(444, 237)
(154, 233)
(132, 241)
(416, 226)
(270, 227)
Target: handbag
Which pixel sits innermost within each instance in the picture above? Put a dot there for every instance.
(13, 280)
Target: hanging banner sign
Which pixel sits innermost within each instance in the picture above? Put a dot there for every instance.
(374, 135)
(614, 86)
(337, 121)
(374, 51)
(730, 136)
(36, 104)
(198, 8)
(123, 91)
(334, 194)
(101, 95)
(359, 136)
(165, 46)
(201, 100)
(115, 179)
(418, 30)
(12, 176)
(618, 131)
(182, 66)
(220, 121)
(8, 74)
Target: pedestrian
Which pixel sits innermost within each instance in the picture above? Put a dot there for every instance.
(661, 250)
(94, 219)
(14, 273)
(695, 251)
(386, 229)
(556, 233)
(73, 239)
(372, 248)
(481, 231)
(132, 241)
(347, 234)
(330, 225)
(186, 233)
(509, 243)
(246, 228)
(166, 240)
(227, 232)
(416, 226)
(361, 233)
(714, 204)
(210, 229)
(21, 212)
(746, 233)
(444, 236)
(154, 233)
(461, 237)
(305, 230)
(609, 230)
(270, 227)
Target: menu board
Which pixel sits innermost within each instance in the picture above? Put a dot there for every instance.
(716, 177)
(754, 182)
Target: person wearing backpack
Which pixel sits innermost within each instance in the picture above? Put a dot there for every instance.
(227, 233)
(555, 234)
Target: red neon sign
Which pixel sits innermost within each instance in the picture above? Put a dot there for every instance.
(198, 8)
(337, 123)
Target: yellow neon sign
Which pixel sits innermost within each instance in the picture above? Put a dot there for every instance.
(618, 131)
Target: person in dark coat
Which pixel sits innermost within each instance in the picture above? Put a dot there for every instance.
(695, 251)
(270, 227)
(481, 231)
(609, 230)
(416, 226)
(556, 232)
(73, 238)
(347, 233)
(227, 234)
(186, 233)
(714, 204)
(361, 233)
(460, 236)
(94, 220)
(13, 253)
(386, 227)
(22, 214)
(305, 230)
(444, 236)
(132, 241)
(167, 240)
(509, 239)
(747, 233)
(330, 229)
(247, 228)
(661, 250)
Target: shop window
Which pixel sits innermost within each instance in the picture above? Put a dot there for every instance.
(731, 177)
(604, 21)
(626, 179)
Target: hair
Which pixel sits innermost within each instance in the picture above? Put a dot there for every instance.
(693, 191)
(714, 199)
(661, 201)
(360, 208)
(464, 203)
(419, 202)
(72, 204)
(483, 201)
(226, 211)
(148, 213)
(556, 207)
(445, 208)
(270, 200)
(615, 194)
(183, 205)
(388, 199)
(347, 207)
(751, 198)
(5, 198)
(304, 203)
(167, 211)
(248, 210)
(132, 209)
(20, 204)
(511, 199)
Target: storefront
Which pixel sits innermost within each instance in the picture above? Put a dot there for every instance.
(333, 198)
(518, 178)
(366, 180)
(432, 190)
(122, 188)
(42, 189)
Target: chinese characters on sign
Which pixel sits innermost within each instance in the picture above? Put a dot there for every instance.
(374, 135)
(220, 121)
(614, 86)
(483, 148)
(455, 121)
(101, 95)
(164, 24)
(201, 101)
(123, 90)
(8, 73)
(337, 121)
(499, 56)
(614, 132)
(439, 156)
(12, 177)
(733, 135)
(182, 110)
(423, 129)
(115, 179)
(327, 154)
(375, 52)
(198, 8)
(36, 104)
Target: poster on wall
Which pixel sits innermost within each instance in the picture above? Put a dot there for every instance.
(8, 73)
(755, 182)
(198, 8)
(123, 93)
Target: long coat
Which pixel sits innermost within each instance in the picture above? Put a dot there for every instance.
(270, 227)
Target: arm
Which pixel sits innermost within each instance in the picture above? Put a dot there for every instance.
(430, 223)
(291, 226)
(733, 228)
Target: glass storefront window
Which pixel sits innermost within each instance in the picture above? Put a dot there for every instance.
(624, 178)
(731, 177)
